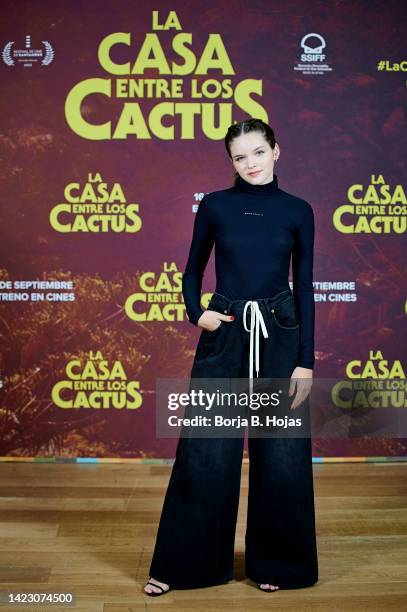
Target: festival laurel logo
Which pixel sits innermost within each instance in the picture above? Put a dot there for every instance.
(27, 57)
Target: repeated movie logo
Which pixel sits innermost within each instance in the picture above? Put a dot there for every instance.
(185, 95)
(159, 297)
(95, 207)
(312, 57)
(27, 57)
(376, 382)
(373, 209)
(96, 384)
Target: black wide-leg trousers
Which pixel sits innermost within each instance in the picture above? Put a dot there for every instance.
(195, 539)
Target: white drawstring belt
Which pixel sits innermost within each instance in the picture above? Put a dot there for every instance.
(256, 320)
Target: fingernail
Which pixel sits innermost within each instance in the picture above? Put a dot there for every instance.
(232, 318)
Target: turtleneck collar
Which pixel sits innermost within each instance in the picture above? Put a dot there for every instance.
(258, 190)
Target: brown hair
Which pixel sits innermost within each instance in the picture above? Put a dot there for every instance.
(243, 127)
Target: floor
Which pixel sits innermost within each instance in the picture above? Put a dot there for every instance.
(90, 529)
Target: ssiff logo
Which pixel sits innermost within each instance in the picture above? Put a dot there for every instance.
(313, 56)
(27, 56)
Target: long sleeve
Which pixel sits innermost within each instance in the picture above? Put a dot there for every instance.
(302, 267)
(199, 253)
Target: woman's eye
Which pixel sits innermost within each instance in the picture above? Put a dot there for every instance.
(238, 159)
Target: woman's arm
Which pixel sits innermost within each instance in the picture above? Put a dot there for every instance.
(199, 253)
(302, 266)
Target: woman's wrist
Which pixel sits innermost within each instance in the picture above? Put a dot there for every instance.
(300, 371)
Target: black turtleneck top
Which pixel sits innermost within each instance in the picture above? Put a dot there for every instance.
(255, 229)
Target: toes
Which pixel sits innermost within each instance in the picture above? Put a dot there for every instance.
(152, 589)
(269, 587)
(156, 588)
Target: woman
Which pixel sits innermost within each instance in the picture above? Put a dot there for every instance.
(253, 316)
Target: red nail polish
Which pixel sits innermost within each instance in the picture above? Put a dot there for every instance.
(232, 318)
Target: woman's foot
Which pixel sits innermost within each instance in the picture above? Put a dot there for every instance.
(268, 587)
(160, 589)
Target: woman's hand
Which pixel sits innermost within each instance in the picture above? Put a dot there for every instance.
(302, 379)
(210, 319)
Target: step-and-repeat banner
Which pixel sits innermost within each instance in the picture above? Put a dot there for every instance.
(113, 119)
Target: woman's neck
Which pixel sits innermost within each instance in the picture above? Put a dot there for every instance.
(266, 189)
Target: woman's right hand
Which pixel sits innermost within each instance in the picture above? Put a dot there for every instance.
(211, 320)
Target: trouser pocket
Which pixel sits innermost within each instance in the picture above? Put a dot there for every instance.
(285, 314)
(212, 343)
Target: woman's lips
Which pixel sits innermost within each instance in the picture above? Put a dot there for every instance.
(254, 173)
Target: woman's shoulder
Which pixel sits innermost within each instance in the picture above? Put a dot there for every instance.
(299, 203)
(213, 198)
(219, 194)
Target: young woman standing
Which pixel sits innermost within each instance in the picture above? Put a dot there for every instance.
(253, 321)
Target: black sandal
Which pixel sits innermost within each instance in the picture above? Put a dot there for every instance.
(277, 588)
(153, 593)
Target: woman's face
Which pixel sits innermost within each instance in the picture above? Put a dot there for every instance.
(253, 158)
